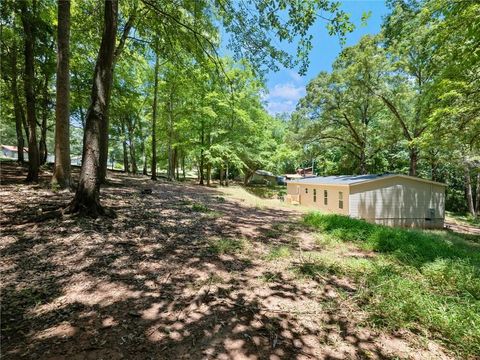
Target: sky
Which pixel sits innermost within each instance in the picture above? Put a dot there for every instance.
(286, 87)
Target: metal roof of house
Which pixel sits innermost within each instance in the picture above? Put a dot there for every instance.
(354, 179)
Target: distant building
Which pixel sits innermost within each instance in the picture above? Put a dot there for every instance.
(389, 199)
(305, 172)
(11, 152)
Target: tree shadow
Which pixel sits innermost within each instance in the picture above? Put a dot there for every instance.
(146, 286)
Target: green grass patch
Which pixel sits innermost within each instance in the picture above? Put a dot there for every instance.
(227, 246)
(199, 207)
(278, 252)
(425, 281)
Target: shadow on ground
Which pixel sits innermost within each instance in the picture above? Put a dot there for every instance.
(148, 285)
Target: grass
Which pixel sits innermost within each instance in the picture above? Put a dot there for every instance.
(425, 281)
(463, 218)
(267, 191)
(227, 246)
(278, 252)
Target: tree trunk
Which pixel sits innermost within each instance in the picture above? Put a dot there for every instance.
(154, 122)
(126, 165)
(144, 156)
(477, 195)
(42, 147)
(221, 175)
(226, 174)
(171, 160)
(131, 141)
(248, 176)
(33, 158)
(87, 197)
(209, 174)
(17, 107)
(363, 162)
(200, 170)
(183, 167)
(132, 155)
(62, 172)
(468, 189)
(412, 171)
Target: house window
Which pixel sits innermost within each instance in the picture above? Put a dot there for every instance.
(325, 197)
(314, 195)
(306, 190)
(340, 200)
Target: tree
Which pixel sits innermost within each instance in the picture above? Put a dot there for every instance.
(61, 174)
(86, 200)
(154, 120)
(28, 22)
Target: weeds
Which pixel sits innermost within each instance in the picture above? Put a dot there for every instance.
(278, 252)
(227, 246)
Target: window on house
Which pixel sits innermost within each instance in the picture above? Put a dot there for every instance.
(325, 197)
(306, 190)
(314, 195)
(340, 200)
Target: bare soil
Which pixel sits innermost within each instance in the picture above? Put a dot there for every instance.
(147, 284)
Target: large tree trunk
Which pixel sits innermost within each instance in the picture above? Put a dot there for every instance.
(61, 172)
(468, 189)
(17, 107)
(105, 124)
(87, 197)
(33, 159)
(154, 122)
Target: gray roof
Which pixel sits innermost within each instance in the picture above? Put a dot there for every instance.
(341, 179)
(354, 179)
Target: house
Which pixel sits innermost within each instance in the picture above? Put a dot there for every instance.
(263, 177)
(305, 172)
(11, 152)
(389, 199)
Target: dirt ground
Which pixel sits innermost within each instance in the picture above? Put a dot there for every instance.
(147, 284)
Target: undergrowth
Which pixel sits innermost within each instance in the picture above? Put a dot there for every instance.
(425, 281)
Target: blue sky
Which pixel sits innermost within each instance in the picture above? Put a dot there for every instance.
(286, 87)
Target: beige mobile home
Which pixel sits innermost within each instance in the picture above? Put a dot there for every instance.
(389, 199)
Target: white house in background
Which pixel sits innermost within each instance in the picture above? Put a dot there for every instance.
(389, 199)
(11, 152)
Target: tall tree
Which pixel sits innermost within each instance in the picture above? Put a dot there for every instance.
(28, 21)
(61, 173)
(87, 196)
(154, 120)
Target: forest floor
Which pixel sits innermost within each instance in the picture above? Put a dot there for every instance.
(186, 272)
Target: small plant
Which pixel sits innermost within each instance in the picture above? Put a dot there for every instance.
(278, 252)
(227, 246)
(199, 207)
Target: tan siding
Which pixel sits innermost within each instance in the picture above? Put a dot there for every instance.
(306, 199)
(398, 201)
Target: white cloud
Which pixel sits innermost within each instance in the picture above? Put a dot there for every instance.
(284, 97)
(287, 91)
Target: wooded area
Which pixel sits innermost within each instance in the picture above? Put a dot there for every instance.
(132, 226)
(402, 101)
